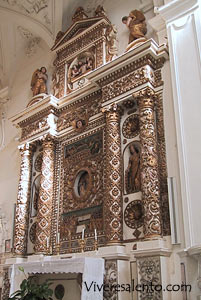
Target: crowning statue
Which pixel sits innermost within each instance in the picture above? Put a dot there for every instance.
(100, 11)
(133, 182)
(38, 82)
(136, 25)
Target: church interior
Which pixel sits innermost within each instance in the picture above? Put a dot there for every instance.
(99, 152)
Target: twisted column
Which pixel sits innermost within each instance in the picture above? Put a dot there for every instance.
(23, 199)
(149, 163)
(113, 181)
(45, 202)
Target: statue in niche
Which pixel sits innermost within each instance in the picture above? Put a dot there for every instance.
(133, 182)
(83, 184)
(112, 42)
(38, 82)
(136, 25)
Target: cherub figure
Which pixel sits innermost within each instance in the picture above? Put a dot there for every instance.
(38, 82)
(136, 24)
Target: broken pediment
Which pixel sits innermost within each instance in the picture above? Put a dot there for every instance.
(88, 44)
(81, 23)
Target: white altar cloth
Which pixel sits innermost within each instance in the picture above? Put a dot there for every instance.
(91, 268)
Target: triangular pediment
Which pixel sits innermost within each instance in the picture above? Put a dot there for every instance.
(76, 28)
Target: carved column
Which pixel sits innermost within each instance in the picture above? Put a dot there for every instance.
(6, 285)
(22, 208)
(45, 202)
(113, 181)
(149, 163)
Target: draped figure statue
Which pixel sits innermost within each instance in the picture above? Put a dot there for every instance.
(38, 82)
(136, 24)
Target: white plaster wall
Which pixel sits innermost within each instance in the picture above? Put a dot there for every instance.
(20, 94)
(171, 144)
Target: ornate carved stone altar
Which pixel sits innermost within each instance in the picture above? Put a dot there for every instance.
(93, 170)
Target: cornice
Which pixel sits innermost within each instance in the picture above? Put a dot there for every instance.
(177, 9)
(148, 53)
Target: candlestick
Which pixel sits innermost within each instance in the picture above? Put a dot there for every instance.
(58, 237)
(83, 233)
(48, 242)
(82, 245)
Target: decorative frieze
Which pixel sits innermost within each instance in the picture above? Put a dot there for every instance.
(82, 110)
(127, 83)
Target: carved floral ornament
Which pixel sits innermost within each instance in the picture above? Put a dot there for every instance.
(134, 214)
(131, 127)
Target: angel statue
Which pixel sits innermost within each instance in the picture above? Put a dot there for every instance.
(38, 81)
(136, 24)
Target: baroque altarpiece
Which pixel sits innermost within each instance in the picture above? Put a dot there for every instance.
(93, 164)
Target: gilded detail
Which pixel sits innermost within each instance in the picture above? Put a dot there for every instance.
(44, 214)
(113, 200)
(23, 199)
(149, 163)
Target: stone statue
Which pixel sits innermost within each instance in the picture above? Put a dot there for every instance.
(79, 14)
(133, 182)
(112, 42)
(136, 25)
(59, 35)
(38, 82)
(100, 11)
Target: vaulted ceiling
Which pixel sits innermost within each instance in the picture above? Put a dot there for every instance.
(25, 24)
(28, 24)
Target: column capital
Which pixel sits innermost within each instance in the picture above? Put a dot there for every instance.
(146, 98)
(24, 147)
(113, 111)
(48, 140)
(177, 9)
